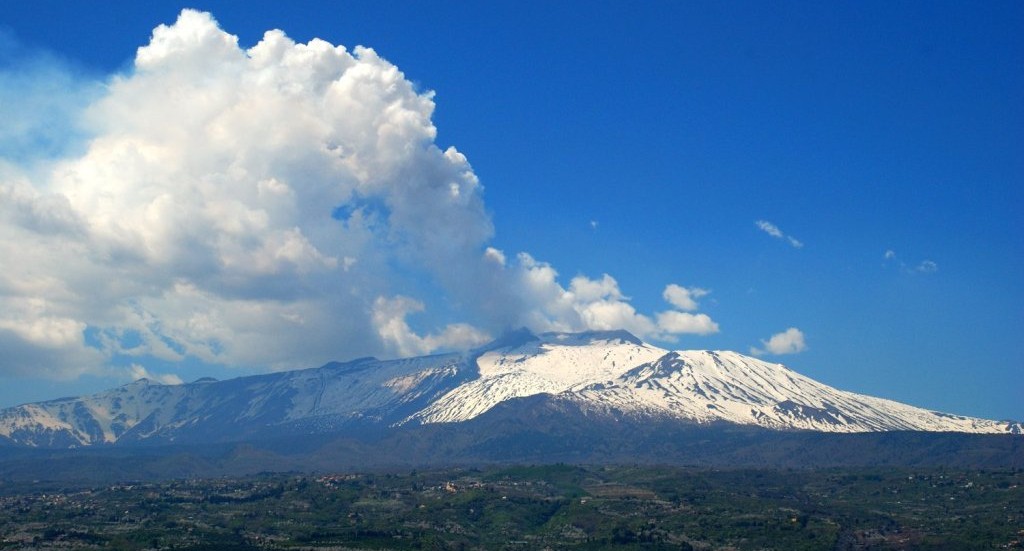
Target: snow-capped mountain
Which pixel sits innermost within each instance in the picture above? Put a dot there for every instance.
(610, 374)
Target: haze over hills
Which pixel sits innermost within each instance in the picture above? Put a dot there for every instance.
(595, 378)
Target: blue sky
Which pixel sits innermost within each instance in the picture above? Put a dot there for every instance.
(643, 141)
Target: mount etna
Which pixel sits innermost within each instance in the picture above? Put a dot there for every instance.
(556, 386)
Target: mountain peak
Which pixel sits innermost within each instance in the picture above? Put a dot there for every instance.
(591, 337)
(510, 339)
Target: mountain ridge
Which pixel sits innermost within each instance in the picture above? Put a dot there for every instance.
(611, 374)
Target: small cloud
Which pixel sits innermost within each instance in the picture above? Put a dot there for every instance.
(494, 255)
(672, 322)
(389, 320)
(683, 298)
(774, 231)
(769, 228)
(137, 372)
(593, 224)
(790, 341)
(924, 267)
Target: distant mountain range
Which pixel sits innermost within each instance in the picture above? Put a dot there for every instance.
(595, 379)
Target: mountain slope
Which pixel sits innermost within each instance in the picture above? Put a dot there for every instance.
(708, 386)
(607, 375)
(365, 391)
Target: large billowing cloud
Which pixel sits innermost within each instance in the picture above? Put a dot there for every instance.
(275, 207)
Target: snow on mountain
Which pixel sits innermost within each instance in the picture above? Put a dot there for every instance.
(605, 372)
(554, 363)
(706, 386)
(100, 418)
(365, 390)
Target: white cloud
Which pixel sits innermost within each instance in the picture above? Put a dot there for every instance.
(592, 290)
(684, 322)
(494, 255)
(255, 207)
(389, 319)
(790, 341)
(923, 267)
(137, 372)
(197, 221)
(774, 231)
(683, 298)
(769, 228)
(597, 304)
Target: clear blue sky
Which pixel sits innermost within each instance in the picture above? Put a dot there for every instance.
(645, 141)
